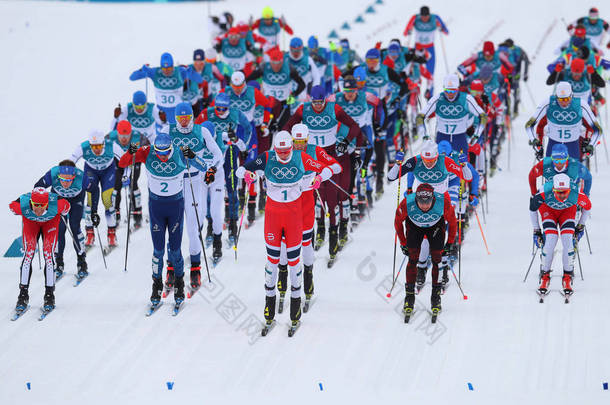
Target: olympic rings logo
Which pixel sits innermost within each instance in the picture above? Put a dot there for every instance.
(375, 81)
(276, 78)
(564, 116)
(141, 122)
(243, 105)
(68, 192)
(426, 217)
(318, 120)
(259, 113)
(222, 126)
(578, 86)
(284, 172)
(98, 160)
(430, 175)
(167, 82)
(233, 52)
(353, 110)
(451, 110)
(558, 205)
(190, 142)
(163, 167)
(302, 69)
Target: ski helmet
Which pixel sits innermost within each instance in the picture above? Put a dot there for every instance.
(373, 53)
(296, 42)
(318, 93)
(66, 171)
(561, 186)
(360, 74)
(424, 194)
(163, 146)
(167, 60)
(123, 127)
(222, 100)
(238, 79)
(429, 151)
(476, 86)
(488, 48)
(444, 147)
(39, 197)
(267, 12)
(282, 145)
(139, 98)
(275, 55)
(198, 54)
(563, 90)
(394, 49)
(344, 43)
(451, 82)
(312, 42)
(593, 13)
(183, 109)
(559, 154)
(300, 132)
(580, 31)
(96, 137)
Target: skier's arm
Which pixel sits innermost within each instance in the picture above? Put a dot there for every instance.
(476, 110)
(122, 116)
(330, 161)
(254, 165)
(399, 218)
(294, 119)
(63, 206)
(354, 128)
(77, 154)
(116, 149)
(142, 73)
(449, 214)
(536, 172)
(395, 77)
(310, 164)
(315, 73)
(285, 26)
(585, 203)
(589, 118)
(211, 144)
(530, 125)
(407, 166)
(141, 156)
(190, 74)
(441, 25)
(247, 127)
(15, 207)
(585, 175)
(535, 202)
(427, 111)
(255, 75)
(409, 26)
(410, 181)
(294, 75)
(202, 117)
(46, 180)
(463, 172)
(474, 183)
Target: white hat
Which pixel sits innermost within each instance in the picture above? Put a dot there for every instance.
(429, 150)
(238, 78)
(96, 137)
(282, 140)
(300, 132)
(211, 54)
(561, 182)
(563, 89)
(451, 81)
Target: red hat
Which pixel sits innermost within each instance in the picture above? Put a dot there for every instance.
(476, 85)
(276, 55)
(488, 48)
(577, 65)
(123, 127)
(580, 32)
(40, 196)
(233, 31)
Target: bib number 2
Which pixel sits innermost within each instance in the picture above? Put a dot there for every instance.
(164, 186)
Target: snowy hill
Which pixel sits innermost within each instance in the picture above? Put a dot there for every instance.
(66, 66)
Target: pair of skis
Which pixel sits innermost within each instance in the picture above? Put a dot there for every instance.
(567, 295)
(270, 324)
(45, 311)
(409, 312)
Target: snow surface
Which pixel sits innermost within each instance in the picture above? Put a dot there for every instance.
(66, 65)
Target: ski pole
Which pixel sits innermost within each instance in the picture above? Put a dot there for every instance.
(342, 189)
(531, 262)
(129, 203)
(205, 258)
(395, 232)
(579, 263)
(38, 250)
(482, 234)
(444, 54)
(243, 211)
(76, 246)
(588, 243)
(458, 283)
(101, 247)
(460, 230)
(235, 191)
(389, 294)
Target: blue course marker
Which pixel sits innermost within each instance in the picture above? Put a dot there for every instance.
(605, 385)
(322, 388)
(170, 385)
(470, 387)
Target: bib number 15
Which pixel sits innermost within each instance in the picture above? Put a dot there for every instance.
(564, 133)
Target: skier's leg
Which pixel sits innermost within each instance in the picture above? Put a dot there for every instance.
(49, 242)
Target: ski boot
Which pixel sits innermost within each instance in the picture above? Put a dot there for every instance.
(59, 267)
(282, 285)
(137, 218)
(90, 238)
(343, 233)
(333, 245)
(320, 234)
(308, 285)
(409, 301)
(269, 314)
(209, 234)
(157, 288)
(566, 282)
(117, 214)
(251, 209)
(232, 231)
(445, 277)
(545, 280)
(369, 198)
(179, 290)
(169, 278)
(379, 186)
(112, 237)
(195, 275)
(49, 299)
(435, 301)
(261, 201)
(81, 265)
(217, 248)
(23, 299)
(295, 314)
(420, 279)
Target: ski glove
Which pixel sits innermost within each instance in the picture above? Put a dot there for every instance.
(133, 148)
(95, 219)
(405, 250)
(538, 238)
(579, 231)
(210, 175)
(249, 177)
(188, 153)
(474, 200)
(463, 159)
(232, 136)
(400, 155)
(316, 182)
(117, 111)
(587, 148)
(450, 249)
(462, 70)
(162, 116)
(341, 147)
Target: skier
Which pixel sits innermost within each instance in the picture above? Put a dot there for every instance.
(71, 184)
(198, 94)
(203, 168)
(144, 117)
(123, 136)
(165, 171)
(452, 109)
(41, 212)
(595, 27)
(300, 137)
(270, 27)
(488, 57)
(299, 58)
(565, 116)
(234, 49)
(557, 203)
(581, 83)
(322, 118)
(216, 73)
(98, 154)
(424, 214)
(168, 81)
(560, 162)
(518, 58)
(284, 170)
(425, 25)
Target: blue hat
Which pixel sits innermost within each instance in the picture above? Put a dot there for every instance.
(344, 43)
(139, 98)
(167, 60)
(222, 100)
(445, 147)
(183, 109)
(318, 93)
(360, 73)
(296, 42)
(394, 48)
(67, 170)
(373, 53)
(312, 42)
(163, 143)
(198, 54)
(254, 84)
(559, 152)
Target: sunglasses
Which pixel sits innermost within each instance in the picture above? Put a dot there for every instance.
(139, 107)
(182, 117)
(564, 99)
(431, 160)
(476, 93)
(38, 205)
(317, 102)
(66, 177)
(451, 91)
(350, 90)
(560, 161)
(561, 192)
(234, 37)
(221, 109)
(276, 62)
(97, 147)
(163, 152)
(299, 142)
(167, 69)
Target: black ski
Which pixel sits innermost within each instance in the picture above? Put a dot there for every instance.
(408, 313)
(280, 306)
(294, 326)
(269, 325)
(306, 305)
(435, 312)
